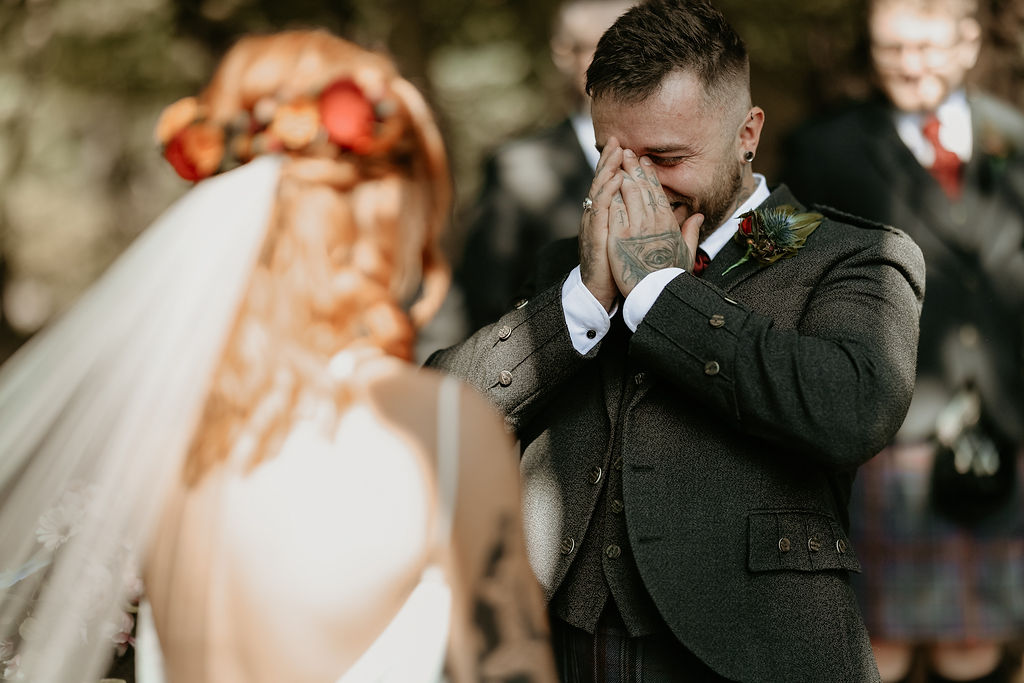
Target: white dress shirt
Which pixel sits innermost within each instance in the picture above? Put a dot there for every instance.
(586, 318)
(955, 131)
(584, 128)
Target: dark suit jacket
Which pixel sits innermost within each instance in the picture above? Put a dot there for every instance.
(972, 325)
(532, 194)
(761, 392)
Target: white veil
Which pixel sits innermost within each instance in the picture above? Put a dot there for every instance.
(96, 414)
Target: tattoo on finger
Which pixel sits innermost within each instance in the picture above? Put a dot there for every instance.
(620, 216)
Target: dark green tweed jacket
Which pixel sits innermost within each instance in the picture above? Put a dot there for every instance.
(762, 392)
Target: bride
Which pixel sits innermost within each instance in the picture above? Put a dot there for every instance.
(231, 411)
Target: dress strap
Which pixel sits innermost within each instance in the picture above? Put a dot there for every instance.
(447, 454)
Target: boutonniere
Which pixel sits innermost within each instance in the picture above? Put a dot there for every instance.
(996, 149)
(774, 233)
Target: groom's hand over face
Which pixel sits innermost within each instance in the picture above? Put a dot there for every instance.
(643, 234)
(595, 270)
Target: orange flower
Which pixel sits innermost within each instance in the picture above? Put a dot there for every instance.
(348, 116)
(296, 123)
(175, 117)
(197, 151)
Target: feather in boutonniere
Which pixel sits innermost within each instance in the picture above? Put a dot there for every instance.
(774, 233)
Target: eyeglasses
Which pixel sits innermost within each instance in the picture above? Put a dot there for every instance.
(892, 54)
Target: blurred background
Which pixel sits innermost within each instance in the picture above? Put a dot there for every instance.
(83, 81)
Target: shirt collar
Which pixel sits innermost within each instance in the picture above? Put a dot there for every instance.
(716, 240)
(584, 127)
(955, 132)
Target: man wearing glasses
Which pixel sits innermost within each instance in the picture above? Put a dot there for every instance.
(941, 544)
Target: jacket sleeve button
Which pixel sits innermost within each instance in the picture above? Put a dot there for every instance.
(568, 545)
(717, 320)
(841, 546)
(505, 332)
(813, 544)
(784, 544)
(505, 378)
(712, 368)
(595, 475)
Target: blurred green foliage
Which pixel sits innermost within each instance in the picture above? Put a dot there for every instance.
(82, 82)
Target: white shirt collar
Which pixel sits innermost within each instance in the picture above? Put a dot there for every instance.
(584, 127)
(716, 240)
(955, 132)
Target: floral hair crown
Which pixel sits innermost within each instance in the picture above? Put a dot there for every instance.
(339, 119)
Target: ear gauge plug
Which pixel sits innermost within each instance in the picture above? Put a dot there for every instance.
(748, 156)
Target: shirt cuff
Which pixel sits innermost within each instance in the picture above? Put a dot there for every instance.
(644, 294)
(585, 317)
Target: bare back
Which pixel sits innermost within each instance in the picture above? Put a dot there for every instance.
(293, 569)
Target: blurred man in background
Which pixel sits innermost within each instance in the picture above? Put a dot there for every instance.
(532, 186)
(942, 537)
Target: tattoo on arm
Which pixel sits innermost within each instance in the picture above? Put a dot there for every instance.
(645, 254)
(513, 640)
(586, 247)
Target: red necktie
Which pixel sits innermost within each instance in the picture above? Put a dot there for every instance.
(701, 262)
(946, 169)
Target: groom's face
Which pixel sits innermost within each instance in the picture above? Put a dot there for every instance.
(691, 140)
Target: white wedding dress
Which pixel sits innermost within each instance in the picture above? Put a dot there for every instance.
(275, 573)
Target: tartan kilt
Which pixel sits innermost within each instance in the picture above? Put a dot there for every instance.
(926, 578)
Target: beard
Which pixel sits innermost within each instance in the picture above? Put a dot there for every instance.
(718, 203)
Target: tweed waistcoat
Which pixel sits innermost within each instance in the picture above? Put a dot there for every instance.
(604, 566)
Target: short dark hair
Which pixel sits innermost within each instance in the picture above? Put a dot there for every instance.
(658, 37)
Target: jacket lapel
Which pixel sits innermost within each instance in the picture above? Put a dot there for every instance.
(733, 251)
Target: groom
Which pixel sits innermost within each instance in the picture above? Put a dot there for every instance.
(691, 422)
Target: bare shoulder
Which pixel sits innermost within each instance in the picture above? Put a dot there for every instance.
(405, 387)
(409, 396)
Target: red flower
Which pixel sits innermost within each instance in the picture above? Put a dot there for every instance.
(174, 152)
(348, 116)
(747, 225)
(196, 152)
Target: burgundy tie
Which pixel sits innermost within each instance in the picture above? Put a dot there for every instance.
(701, 262)
(947, 167)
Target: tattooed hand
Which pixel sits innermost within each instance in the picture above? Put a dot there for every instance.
(594, 267)
(643, 235)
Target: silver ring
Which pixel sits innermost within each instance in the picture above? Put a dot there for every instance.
(588, 204)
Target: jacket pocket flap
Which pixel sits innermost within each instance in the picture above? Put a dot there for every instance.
(800, 540)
